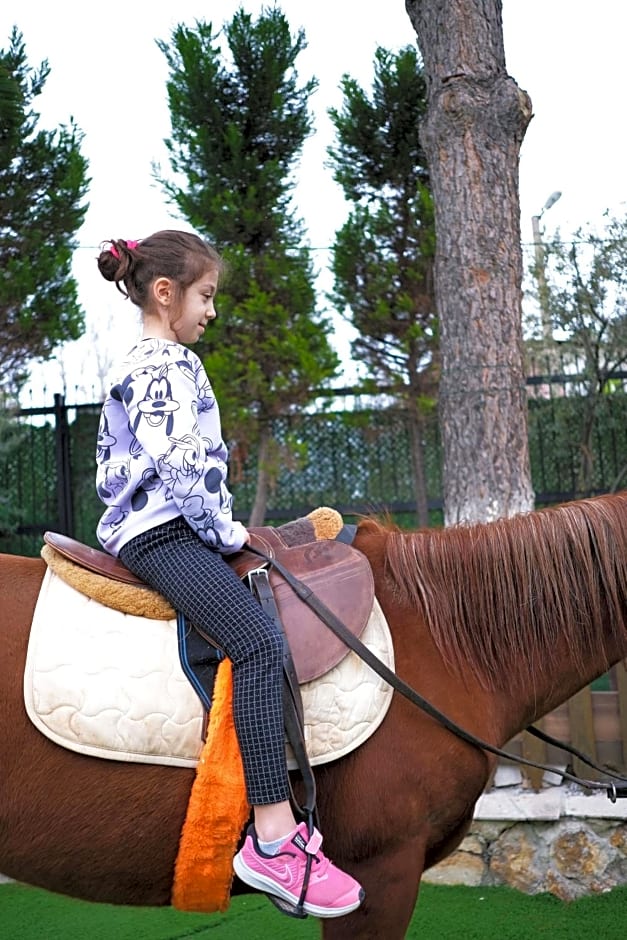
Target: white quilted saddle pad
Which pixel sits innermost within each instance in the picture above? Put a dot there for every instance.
(110, 684)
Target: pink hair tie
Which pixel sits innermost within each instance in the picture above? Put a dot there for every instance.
(130, 245)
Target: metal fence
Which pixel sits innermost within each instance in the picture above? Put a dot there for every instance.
(353, 454)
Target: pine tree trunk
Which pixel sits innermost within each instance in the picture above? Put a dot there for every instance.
(475, 124)
(258, 512)
(586, 450)
(418, 464)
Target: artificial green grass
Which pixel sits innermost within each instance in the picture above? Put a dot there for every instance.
(461, 913)
(443, 913)
(29, 913)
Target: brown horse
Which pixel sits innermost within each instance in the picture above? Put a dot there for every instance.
(495, 624)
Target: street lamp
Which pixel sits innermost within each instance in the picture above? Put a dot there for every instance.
(543, 292)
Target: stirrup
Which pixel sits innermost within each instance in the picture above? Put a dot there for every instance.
(292, 910)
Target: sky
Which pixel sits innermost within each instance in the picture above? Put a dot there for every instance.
(107, 72)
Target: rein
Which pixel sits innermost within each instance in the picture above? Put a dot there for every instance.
(335, 624)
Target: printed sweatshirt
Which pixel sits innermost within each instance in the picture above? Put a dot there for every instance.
(160, 451)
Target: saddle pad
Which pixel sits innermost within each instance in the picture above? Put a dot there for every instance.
(110, 685)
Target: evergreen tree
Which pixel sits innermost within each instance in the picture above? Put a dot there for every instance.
(239, 120)
(383, 255)
(43, 183)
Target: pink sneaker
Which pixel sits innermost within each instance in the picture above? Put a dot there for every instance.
(331, 892)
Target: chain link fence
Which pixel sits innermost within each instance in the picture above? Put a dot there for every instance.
(351, 455)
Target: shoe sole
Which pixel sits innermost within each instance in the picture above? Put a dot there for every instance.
(261, 883)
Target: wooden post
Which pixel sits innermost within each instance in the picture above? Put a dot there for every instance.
(536, 750)
(621, 687)
(582, 731)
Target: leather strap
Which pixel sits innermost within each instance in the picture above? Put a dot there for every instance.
(292, 701)
(543, 736)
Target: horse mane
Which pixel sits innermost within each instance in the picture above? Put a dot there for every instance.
(508, 591)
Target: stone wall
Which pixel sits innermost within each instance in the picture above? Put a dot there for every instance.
(560, 840)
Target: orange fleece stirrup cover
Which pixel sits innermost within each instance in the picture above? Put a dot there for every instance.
(216, 814)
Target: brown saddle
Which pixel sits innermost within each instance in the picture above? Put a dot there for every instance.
(334, 571)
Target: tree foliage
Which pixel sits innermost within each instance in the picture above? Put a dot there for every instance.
(239, 120)
(43, 182)
(383, 254)
(586, 296)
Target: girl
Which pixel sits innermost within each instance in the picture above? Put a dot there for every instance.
(162, 467)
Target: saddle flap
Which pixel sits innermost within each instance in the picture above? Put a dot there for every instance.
(341, 577)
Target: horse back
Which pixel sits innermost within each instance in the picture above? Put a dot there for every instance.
(20, 581)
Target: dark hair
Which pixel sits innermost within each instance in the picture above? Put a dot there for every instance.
(133, 266)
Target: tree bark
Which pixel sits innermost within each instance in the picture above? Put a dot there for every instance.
(258, 512)
(416, 431)
(475, 123)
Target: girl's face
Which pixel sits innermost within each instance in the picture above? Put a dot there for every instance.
(196, 309)
(182, 317)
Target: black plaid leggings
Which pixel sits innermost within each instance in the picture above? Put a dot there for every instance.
(200, 584)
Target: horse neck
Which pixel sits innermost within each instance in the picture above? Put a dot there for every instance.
(522, 702)
(527, 610)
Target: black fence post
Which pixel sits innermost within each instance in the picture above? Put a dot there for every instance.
(65, 509)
